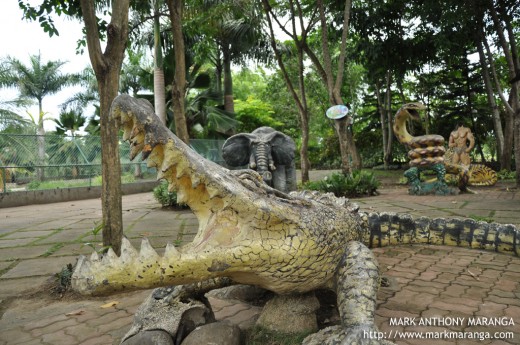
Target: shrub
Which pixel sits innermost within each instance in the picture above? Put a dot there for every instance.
(164, 197)
(34, 184)
(359, 183)
(505, 174)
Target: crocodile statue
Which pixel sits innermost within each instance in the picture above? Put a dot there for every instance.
(253, 234)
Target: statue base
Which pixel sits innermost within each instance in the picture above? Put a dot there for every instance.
(437, 187)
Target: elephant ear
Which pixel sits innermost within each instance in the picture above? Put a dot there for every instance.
(282, 148)
(237, 149)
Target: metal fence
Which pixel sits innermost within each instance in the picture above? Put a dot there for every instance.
(29, 162)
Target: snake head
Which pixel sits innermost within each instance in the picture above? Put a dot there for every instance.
(413, 110)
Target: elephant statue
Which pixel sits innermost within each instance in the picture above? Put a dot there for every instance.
(269, 152)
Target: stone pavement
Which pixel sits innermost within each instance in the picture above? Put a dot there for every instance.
(452, 286)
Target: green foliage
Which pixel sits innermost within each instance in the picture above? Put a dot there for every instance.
(96, 229)
(63, 279)
(164, 197)
(505, 174)
(33, 185)
(52, 249)
(254, 113)
(71, 120)
(481, 218)
(127, 178)
(261, 336)
(361, 182)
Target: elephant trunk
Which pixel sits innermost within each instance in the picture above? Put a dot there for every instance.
(264, 161)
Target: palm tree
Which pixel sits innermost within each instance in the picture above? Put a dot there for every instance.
(10, 119)
(159, 87)
(71, 120)
(236, 27)
(36, 81)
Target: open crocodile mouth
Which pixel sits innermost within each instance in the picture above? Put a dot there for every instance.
(235, 209)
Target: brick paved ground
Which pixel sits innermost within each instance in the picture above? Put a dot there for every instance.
(425, 282)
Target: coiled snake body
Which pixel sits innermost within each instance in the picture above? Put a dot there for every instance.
(425, 150)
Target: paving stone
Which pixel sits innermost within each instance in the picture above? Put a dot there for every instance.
(106, 316)
(28, 252)
(38, 267)
(490, 309)
(15, 336)
(508, 301)
(53, 327)
(454, 290)
(19, 286)
(65, 236)
(73, 250)
(59, 338)
(7, 243)
(28, 234)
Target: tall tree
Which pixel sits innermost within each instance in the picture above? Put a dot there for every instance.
(297, 91)
(180, 85)
(107, 67)
(334, 84)
(502, 13)
(36, 81)
(159, 87)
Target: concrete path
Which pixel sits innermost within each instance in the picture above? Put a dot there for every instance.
(458, 287)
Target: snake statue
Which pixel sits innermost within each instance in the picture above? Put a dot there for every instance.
(426, 152)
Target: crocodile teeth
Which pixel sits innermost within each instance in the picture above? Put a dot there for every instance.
(126, 134)
(83, 268)
(109, 258)
(212, 191)
(147, 252)
(94, 257)
(182, 170)
(135, 149)
(128, 252)
(182, 197)
(170, 251)
(195, 181)
(135, 132)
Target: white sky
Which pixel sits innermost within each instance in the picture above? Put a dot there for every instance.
(21, 38)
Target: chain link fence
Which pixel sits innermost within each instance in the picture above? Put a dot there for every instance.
(31, 162)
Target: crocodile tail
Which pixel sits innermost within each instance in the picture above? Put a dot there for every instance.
(394, 229)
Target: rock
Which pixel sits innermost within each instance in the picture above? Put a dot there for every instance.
(290, 314)
(217, 333)
(245, 293)
(150, 338)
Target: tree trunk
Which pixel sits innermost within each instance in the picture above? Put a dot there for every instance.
(159, 89)
(179, 81)
(390, 128)
(349, 155)
(381, 110)
(510, 50)
(40, 171)
(218, 73)
(229, 104)
(107, 67)
(497, 124)
(111, 167)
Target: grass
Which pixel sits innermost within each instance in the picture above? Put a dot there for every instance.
(481, 218)
(56, 184)
(52, 250)
(261, 336)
